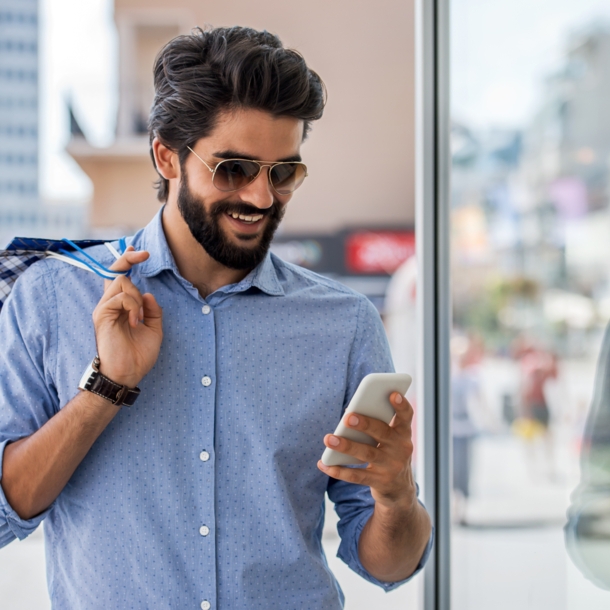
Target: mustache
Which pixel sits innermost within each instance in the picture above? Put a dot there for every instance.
(245, 209)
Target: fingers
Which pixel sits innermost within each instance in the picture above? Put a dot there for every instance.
(387, 464)
(121, 304)
(404, 411)
(390, 486)
(375, 428)
(153, 313)
(394, 440)
(363, 452)
(401, 405)
(123, 285)
(122, 296)
(360, 476)
(128, 259)
(379, 430)
(388, 471)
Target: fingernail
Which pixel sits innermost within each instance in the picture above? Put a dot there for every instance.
(398, 399)
(353, 420)
(141, 313)
(334, 441)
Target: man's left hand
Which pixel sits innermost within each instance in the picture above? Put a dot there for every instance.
(388, 471)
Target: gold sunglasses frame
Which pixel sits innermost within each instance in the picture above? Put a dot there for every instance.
(261, 164)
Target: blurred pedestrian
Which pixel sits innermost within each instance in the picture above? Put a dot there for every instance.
(467, 353)
(537, 367)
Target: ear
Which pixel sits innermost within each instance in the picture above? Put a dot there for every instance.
(166, 160)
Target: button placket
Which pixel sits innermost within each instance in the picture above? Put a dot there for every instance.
(204, 523)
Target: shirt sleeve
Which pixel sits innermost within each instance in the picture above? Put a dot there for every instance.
(354, 504)
(28, 398)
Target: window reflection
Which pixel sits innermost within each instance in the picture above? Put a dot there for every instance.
(588, 528)
(531, 287)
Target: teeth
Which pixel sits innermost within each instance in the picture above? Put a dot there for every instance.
(245, 218)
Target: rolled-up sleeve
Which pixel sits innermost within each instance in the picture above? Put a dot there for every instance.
(28, 398)
(11, 524)
(354, 504)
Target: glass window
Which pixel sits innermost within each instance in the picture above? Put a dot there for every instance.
(530, 264)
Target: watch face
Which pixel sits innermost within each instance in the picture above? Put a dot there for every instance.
(86, 379)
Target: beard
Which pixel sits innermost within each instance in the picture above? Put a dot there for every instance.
(205, 228)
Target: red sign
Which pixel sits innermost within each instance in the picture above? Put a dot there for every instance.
(378, 251)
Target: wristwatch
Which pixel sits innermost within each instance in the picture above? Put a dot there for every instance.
(93, 381)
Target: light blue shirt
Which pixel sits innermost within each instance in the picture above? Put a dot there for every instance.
(206, 491)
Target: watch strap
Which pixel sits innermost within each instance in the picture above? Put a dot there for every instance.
(95, 382)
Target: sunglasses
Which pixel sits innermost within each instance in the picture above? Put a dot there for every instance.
(231, 175)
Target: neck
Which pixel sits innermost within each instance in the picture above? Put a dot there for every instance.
(194, 263)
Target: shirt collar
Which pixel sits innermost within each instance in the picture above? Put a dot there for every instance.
(152, 239)
(264, 277)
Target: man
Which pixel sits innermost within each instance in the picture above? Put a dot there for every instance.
(205, 493)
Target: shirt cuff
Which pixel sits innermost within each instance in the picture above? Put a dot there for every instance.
(348, 553)
(11, 524)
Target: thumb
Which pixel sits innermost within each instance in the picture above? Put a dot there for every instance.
(128, 259)
(153, 313)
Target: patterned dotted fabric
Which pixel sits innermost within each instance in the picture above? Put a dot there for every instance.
(200, 492)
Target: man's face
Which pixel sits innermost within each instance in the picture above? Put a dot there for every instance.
(212, 215)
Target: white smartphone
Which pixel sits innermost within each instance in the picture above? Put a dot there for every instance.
(372, 398)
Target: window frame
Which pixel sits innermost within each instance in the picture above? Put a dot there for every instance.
(432, 219)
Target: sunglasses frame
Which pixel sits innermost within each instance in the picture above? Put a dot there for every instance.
(261, 165)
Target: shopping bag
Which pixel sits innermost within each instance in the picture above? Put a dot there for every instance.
(23, 252)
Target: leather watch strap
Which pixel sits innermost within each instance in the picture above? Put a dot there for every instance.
(93, 381)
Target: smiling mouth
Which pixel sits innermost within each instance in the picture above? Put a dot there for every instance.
(246, 218)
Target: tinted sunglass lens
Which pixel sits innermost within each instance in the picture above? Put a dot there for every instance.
(287, 177)
(234, 174)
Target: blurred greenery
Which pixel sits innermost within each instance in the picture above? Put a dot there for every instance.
(481, 310)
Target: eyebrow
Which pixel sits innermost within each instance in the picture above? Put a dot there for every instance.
(234, 154)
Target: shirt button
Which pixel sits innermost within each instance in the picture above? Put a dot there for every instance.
(204, 530)
(206, 381)
(206, 309)
(205, 605)
(204, 456)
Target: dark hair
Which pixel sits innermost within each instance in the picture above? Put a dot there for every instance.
(199, 75)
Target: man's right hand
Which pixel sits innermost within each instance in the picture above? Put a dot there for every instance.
(128, 326)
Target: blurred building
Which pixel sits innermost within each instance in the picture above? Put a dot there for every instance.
(21, 211)
(567, 160)
(18, 113)
(571, 134)
(531, 209)
(19, 100)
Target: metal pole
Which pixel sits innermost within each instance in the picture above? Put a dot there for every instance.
(434, 303)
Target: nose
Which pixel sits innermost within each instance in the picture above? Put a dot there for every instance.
(259, 192)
